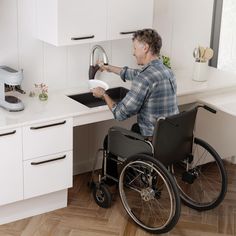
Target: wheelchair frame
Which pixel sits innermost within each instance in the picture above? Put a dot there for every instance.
(149, 172)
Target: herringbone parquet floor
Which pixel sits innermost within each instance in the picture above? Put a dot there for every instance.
(83, 217)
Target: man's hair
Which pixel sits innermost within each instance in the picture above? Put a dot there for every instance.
(151, 37)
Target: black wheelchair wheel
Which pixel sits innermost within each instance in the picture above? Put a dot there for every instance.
(149, 194)
(102, 195)
(201, 178)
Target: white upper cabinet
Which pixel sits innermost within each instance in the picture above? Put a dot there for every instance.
(127, 16)
(68, 22)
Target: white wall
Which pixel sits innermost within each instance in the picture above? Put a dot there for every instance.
(183, 25)
(227, 44)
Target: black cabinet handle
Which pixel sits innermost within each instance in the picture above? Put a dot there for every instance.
(127, 32)
(46, 126)
(46, 161)
(9, 133)
(81, 38)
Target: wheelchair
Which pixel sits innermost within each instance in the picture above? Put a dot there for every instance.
(153, 177)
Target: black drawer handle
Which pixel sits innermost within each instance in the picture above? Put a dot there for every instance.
(46, 161)
(81, 38)
(127, 32)
(9, 133)
(46, 126)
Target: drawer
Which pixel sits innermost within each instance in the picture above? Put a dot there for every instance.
(47, 138)
(47, 174)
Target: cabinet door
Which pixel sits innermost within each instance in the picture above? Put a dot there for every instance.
(47, 174)
(68, 22)
(11, 175)
(79, 19)
(47, 138)
(127, 16)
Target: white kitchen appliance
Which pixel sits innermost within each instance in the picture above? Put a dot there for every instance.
(11, 77)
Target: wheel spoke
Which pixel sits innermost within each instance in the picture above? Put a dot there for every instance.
(153, 206)
(203, 184)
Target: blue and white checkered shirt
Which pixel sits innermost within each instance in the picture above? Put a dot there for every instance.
(152, 95)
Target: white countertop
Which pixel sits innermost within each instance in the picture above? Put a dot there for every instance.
(217, 79)
(59, 106)
(224, 101)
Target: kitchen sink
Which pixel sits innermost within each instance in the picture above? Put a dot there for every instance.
(87, 99)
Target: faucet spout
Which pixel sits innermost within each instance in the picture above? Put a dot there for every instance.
(93, 68)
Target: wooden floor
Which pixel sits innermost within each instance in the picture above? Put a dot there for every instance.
(83, 217)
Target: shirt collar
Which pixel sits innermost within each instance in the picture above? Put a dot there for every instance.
(153, 62)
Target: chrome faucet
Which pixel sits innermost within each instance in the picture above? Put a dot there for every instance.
(93, 68)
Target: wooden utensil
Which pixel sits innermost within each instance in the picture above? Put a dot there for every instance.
(201, 53)
(208, 54)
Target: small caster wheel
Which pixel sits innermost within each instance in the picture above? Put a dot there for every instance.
(102, 195)
(91, 184)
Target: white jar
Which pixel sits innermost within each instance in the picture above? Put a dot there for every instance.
(200, 71)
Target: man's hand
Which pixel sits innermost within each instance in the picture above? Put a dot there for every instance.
(104, 68)
(101, 93)
(109, 68)
(98, 92)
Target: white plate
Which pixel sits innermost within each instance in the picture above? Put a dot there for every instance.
(97, 83)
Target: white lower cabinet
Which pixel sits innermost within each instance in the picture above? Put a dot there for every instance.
(11, 172)
(47, 174)
(47, 138)
(47, 155)
(36, 166)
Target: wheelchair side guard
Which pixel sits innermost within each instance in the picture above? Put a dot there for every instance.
(125, 143)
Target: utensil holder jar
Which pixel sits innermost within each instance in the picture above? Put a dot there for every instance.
(200, 71)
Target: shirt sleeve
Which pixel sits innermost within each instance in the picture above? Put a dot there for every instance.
(128, 74)
(133, 101)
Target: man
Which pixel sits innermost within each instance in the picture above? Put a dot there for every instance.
(153, 88)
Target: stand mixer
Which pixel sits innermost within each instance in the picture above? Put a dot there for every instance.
(11, 77)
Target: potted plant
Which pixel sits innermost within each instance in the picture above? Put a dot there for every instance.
(43, 95)
(166, 61)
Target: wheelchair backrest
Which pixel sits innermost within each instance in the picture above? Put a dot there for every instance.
(173, 137)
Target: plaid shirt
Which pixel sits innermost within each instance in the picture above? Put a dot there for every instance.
(152, 94)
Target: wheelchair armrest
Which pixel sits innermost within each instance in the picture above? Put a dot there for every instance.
(125, 143)
(127, 133)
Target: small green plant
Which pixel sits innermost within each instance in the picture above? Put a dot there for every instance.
(166, 61)
(43, 91)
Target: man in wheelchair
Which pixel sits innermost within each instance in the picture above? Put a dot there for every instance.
(153, 89)
(161, 160)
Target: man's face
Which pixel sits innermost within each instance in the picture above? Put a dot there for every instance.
(139, 52)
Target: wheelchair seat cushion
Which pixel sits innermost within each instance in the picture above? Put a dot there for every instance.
(125, 143)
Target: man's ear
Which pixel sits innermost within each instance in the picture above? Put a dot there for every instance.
(146, 47)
